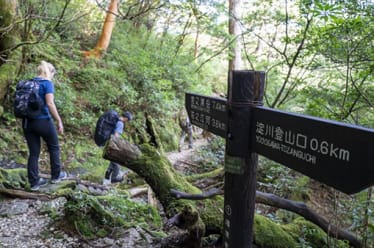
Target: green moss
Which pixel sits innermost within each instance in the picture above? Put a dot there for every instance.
(7, 14)
(64, 188)
(7, 75)
(211, 212)
(93, 216)
(8, 71)
(13, 178)
(159, 174)
(13, 145)
(167, 135)
(157, 169)
(211, 174)
(269, 234)
(87, 228)
(102, 233)
(300, 191)
(310, 235)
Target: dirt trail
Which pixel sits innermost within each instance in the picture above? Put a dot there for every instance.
(186, 154)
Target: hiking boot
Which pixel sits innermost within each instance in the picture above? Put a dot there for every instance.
(106, 181)
(62, 176)
(42, 182)
(107, 176)
(117, 179)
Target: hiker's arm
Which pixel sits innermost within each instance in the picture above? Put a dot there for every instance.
(118, 129)
(49, 98)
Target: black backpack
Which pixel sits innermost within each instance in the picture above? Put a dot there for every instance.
(105, 126)
(27, 102)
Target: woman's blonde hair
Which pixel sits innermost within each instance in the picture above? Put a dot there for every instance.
(46, 70)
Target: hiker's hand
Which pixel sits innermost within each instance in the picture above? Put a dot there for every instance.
(60, 128)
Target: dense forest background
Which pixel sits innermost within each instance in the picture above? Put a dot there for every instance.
(318, 57)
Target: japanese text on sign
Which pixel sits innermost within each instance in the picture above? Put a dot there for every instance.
(209, 113)
(298, 144)
(206, 105)
(207, 121)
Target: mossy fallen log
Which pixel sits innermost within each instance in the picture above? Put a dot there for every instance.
(195, 216)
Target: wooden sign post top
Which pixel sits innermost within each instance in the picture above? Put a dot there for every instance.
(338, 154)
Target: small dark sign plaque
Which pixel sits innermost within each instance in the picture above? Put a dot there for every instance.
(208, 113)
(337, 154)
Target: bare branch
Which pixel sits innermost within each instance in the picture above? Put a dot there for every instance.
(24, 194)
(183, 195)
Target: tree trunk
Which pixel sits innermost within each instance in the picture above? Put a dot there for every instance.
(106, 34)
(7, 13)
(9, 62)
(235, 61)
(196, 43)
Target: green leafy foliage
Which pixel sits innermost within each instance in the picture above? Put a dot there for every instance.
(212, 156)
(319, 52)
(152, 68)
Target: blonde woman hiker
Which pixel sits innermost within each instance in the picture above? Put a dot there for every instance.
(42, 126)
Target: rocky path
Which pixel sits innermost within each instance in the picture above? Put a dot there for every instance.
(24, 223)
(185, 154)
(30, 224)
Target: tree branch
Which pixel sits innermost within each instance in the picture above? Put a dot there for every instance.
(183, 195)
(24, 194)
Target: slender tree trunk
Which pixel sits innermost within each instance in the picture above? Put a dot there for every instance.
(7, 13)
(235, 61)
(196, 44)
(9, 62)
(106, 34)
(366, 222)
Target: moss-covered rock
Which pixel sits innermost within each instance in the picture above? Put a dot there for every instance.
(310, 235)
(99, 216)
(269, 234)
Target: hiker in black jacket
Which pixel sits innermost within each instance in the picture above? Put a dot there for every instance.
(112, 174)
(185, 125)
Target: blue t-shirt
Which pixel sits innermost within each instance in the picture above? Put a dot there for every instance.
(119, 127)
(45, 87)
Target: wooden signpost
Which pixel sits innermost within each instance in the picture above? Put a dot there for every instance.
(334, 153)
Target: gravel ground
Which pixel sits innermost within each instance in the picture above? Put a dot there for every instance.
(26, 224)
